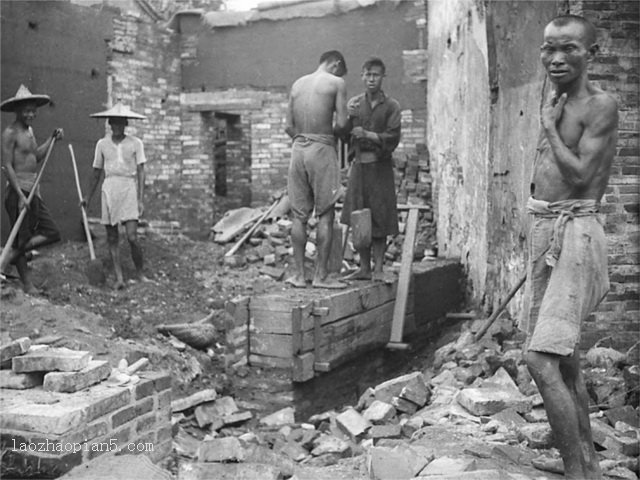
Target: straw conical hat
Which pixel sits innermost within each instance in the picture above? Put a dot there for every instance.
(23, 95)
(118, 111)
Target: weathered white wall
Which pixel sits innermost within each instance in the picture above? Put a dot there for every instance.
(485, 84)
(458, 130)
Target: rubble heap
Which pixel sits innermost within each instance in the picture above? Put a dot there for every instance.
(478, 393)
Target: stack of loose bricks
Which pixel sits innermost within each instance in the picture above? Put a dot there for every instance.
(56, 412)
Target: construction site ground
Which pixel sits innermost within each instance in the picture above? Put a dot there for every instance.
(188, 281)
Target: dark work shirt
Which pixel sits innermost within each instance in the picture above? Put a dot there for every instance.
(384, 119)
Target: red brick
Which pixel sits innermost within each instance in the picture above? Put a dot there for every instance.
(123, 416)
(144, 389)
(109, 404)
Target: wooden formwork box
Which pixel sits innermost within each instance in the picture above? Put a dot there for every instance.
(316, 330)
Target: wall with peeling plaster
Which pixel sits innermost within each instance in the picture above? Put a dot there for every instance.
(485, 86)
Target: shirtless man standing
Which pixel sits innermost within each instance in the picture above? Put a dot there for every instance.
(314, 172)
(21, 157)
(567, 272)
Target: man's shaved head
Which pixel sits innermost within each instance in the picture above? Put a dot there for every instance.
(587, 26)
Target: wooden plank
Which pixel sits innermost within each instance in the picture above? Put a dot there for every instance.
(405, 276)
(276, 321)
(367, 328)
(296, 337)
(271, 344)
(303, 367)
(317, 336)
(350, 302)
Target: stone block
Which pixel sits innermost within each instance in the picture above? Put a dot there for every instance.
(385, 391)
(226, 449)
(281, 417)
(329, 444)
(70, 382)
(626, 414)
(197, 398)
(488, 401)
(449, 466)
(536, 435)
(379, 412)
(384, 431)
(42, 418)
(416, 392)
(15, 348)
(397, 463)
(303, 436)
(20, 381)
(352, 423)
(228, 471)
(264, 455)
(503, 379)
(293, 450)
(509, 418)
(50, 360)
(404, 406)
(412, 425)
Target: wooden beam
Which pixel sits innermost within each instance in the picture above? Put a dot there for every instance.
(404, 278)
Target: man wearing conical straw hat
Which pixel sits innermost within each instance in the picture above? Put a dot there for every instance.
(121, 158)
(21, 157)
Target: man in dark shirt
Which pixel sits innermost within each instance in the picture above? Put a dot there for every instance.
(375, 132)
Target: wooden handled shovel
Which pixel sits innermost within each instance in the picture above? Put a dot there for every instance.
(16, 226)
(94, 270)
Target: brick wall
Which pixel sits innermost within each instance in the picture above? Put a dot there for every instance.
(81, 426)
(616, 71)
(144, 68)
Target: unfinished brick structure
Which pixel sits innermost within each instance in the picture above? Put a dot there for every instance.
(45, 434)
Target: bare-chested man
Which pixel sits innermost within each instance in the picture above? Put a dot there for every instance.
(314, 172)
(567, 275)
(21, 157)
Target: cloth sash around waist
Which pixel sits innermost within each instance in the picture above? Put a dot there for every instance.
(315, 137)
(562, 211)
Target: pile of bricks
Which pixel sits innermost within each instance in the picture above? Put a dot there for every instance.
(270, 245)
(478, 392)
(56, 411)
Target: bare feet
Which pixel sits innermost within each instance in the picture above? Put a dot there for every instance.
(359, 274)
(30, 289)
(328, 282)
(296, 281)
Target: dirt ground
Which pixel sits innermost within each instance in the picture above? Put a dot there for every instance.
(188, 282)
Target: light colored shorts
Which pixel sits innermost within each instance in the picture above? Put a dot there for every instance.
(314, 178)
(119, 200)
(558, 299)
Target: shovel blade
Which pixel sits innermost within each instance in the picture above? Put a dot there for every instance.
(95, 273)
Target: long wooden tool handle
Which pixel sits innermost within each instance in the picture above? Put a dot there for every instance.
(404, 278)
(85, 221)
(16, 226)
(500, 309)
(244, 238)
